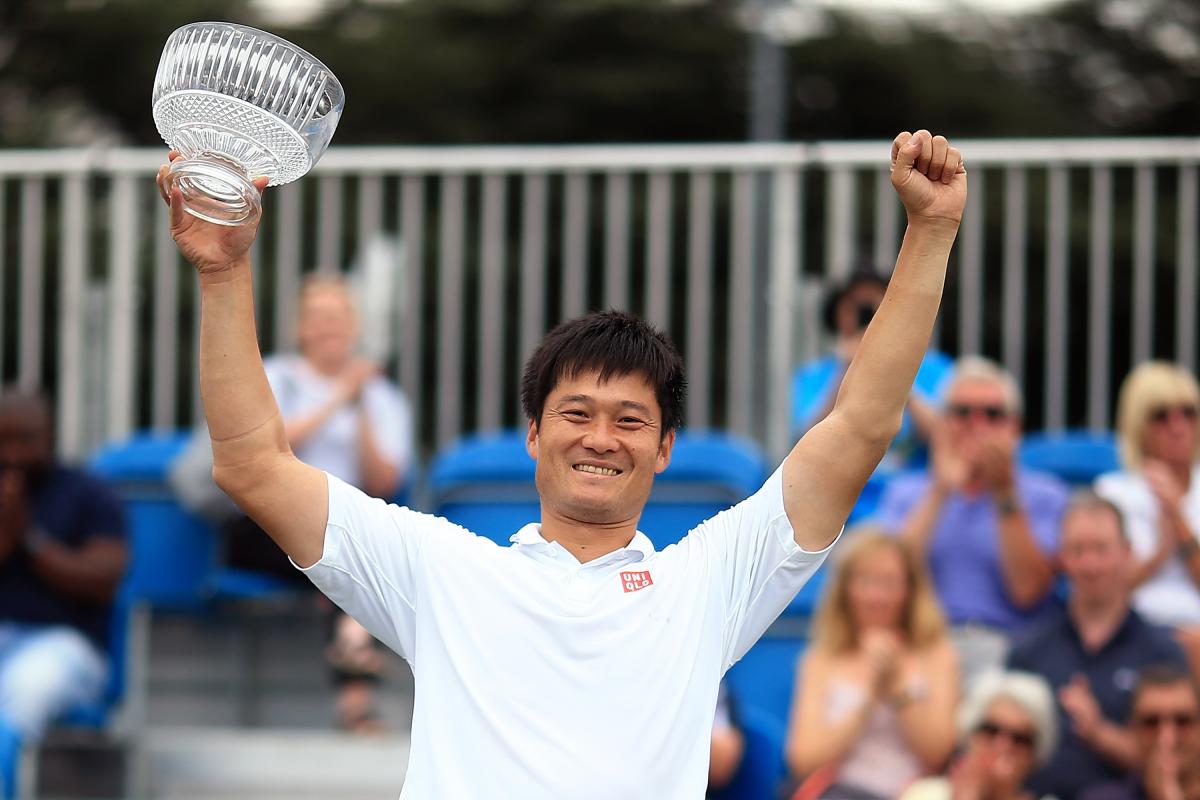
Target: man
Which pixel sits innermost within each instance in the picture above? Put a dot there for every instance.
(580, 662)
(1165, 724)
(1091, 652)
(986, 527)
(62, 554)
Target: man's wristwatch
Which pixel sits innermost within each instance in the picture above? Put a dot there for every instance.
(1007, 505)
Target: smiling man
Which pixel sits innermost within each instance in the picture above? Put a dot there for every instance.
(579, 662)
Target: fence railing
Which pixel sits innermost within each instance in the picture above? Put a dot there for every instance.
(1077, 259)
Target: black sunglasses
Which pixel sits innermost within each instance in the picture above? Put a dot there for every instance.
(1163, 413)
(993, 730)
(1156, 721)
(966, 411)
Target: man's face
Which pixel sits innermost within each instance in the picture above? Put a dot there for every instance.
(1095, 557)
(328, 327)
(977, 412)
(25, 441)
(598, 448)
(1167, 718)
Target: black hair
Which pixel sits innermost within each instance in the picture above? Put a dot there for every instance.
(863, 273)
(612, 343)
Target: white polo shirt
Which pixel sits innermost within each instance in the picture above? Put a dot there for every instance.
(540, 677)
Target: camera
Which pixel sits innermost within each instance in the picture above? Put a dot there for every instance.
(863, 312)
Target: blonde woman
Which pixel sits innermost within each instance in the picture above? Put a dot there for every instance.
(876, 693)
(1158, 492)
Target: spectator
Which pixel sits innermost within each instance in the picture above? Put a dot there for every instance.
(1008, 727)
(847, 311)
(987, 527)
(341, 416)
(1159, 493)
(728, 743)
(1091, 652)
(876, 695)
(62, 555)
(1166, 727)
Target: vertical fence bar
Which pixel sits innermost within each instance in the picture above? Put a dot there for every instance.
(739, 358)
(1058, 241)
(329, 223)
(533, 261)
(3, 271)
(840, 217)
(122, 350)
(165, 347)
(970, 287)
(287, 264)
(1143, 263)
(377, 273)
(658, 250)
(699, 300)
(412, 229)
(616, 241)
(71, 310)
(1100, 298)
(450, 303)
(787, 205)
(29, 342)
(1186, 265)
(887, 222)
(491, 324)
(1015, 233)
(575, 241)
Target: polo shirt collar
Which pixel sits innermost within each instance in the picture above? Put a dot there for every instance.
(1127, 625)
(531, 536)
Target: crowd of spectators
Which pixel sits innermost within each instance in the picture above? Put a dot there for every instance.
(986, 634)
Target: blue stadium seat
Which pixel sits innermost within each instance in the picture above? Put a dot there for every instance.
(762, 769)
(1076, 457)
(485, 483)
(762, 681)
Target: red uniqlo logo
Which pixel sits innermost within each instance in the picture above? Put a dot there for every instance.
(632, 581)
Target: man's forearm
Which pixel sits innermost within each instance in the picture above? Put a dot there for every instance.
(918, 528)
(243, 418)
(1027, 571)
(877, 383)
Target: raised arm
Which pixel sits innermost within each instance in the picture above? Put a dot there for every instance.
(828, 467)
(252, 461)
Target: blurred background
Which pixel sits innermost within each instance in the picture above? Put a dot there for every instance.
(714, 165)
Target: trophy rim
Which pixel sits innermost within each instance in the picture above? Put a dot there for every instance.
(341, 92)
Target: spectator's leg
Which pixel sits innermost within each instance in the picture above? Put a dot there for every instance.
(44, 673)
(356, 665)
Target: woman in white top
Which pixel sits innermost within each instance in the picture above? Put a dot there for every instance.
(1009, 726)
(876, 693)
(1158, 491)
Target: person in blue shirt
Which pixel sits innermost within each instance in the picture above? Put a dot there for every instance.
(847, 311)
(1092, 651)
(987, 528)
(62, 555)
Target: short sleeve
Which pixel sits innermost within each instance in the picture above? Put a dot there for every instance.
(370, 562)
(898, 501)
(755, 564)
(102, 514)
(1045, 509)
(812, 388)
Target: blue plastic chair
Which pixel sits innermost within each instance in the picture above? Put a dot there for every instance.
(486, 484)
(762, 769)
(1076, 457)
(763, 680)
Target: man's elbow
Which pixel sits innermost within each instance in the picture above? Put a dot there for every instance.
(1029, 594)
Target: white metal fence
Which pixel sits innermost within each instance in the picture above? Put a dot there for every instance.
(1077, 259)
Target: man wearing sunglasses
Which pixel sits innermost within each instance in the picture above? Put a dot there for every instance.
(987, 528)
(1091, 652)
(1165, 724)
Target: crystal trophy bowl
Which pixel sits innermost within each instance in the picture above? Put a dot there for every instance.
(237, 103)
